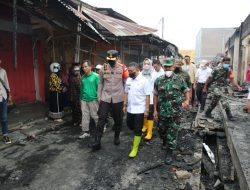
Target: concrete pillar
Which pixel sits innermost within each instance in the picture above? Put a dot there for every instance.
(236, 57)
(245, 59)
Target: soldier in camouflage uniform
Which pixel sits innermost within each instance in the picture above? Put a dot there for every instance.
(179, 71)
(218, 82)
(168, 105)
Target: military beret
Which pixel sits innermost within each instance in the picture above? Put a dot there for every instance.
(112, 54)
(167, 62)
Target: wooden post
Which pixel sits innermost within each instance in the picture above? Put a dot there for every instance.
(78, 40)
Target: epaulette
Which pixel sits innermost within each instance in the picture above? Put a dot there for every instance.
(105, 66)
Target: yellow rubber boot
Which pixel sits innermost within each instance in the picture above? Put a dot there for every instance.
(136, 143)
(145, 125)
(150, 130)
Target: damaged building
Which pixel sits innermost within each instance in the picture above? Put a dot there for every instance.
(238, 48)
(35, 33)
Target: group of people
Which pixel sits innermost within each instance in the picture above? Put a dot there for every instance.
(159, 91)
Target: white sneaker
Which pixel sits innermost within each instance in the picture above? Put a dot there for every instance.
(58, 120)
(84, 135)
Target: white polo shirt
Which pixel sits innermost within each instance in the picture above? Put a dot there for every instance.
(203, 74)
(155, 75)
(137, 90)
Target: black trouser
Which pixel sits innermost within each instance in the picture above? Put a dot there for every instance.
(200, 96)
(117, 114)
(135, 122)
(193, 95)
(151, 112)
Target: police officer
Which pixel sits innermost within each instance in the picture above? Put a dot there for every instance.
(168, 105)
(110, 96)
(218, 82)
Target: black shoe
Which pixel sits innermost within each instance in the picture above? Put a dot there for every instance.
(116, 138)
(6, 139)
(96, 145)
(201, 110)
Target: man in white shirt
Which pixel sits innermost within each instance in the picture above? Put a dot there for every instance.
(136, 103)
(158, 70)
(4, 91)
(201, 76)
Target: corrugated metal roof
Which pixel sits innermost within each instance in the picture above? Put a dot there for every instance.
(77, 13)
(83, 18)
(116, 26)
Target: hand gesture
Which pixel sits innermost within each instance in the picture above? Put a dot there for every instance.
(240, 88)
(124, 109)
(204, 91)
(155, 115)
(185, 105)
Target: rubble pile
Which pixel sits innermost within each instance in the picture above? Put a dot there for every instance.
(217, 170)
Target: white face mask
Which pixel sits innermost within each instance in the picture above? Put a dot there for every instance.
(168, 73)
(146, 67)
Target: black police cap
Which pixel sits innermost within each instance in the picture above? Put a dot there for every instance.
(112, 54)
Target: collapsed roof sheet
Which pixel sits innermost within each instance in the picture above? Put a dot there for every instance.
(116, 26)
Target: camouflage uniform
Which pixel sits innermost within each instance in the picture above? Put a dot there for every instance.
(218, 87)
(169, 92)
(185, 77)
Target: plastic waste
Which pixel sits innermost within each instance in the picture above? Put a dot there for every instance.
(209, 152)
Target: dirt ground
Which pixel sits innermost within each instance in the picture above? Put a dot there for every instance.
(59, 160)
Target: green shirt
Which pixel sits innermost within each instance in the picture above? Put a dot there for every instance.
(89, 86)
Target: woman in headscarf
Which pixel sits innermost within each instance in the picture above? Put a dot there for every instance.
(149, 121)
(55, 93)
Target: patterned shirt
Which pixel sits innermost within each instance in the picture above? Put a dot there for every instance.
(55, 83)
(169, 91)
(4, 78)
(185, 77)
(221, 76)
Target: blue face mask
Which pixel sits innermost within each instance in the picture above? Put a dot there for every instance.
(225, 66)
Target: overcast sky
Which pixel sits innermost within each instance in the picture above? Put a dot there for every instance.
(183, 18)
